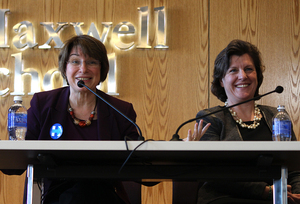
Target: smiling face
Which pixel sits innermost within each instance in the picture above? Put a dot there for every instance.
(240, 81)
(82, 67)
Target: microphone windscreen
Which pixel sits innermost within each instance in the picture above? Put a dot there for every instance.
(279, 89)
(80, 83)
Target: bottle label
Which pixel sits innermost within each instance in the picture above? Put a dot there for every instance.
(17, 120)
(282, 127)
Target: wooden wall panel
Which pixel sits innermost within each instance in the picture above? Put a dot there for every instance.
(230, 20)
(11, 189)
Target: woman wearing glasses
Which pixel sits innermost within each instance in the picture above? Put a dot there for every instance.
(74, 113)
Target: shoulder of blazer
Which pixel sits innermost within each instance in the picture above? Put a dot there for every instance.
(56, 99)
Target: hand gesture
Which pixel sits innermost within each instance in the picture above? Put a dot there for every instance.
(199, 131)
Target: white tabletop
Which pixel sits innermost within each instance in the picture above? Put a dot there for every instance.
(17, 154)
(151, 145)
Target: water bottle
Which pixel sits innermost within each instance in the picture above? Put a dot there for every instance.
(282, 125)
(17, 120)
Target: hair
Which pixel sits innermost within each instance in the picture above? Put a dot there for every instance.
(90, 46)
(222, 63)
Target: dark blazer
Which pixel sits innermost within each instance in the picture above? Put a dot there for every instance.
(51, 107)
(224, 128)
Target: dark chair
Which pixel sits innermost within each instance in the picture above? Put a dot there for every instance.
(185, 192)
(134, 191)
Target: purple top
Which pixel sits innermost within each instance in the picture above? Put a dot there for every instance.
(51, 107)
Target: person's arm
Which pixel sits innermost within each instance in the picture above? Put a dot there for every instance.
(268, 192)
(130, 130)
(33, 124)
(214, 128)
(294, 181)
(247, 190)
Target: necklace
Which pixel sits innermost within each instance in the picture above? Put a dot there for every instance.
(239, 121)
(82, 123)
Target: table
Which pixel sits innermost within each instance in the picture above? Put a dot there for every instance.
(154, 160)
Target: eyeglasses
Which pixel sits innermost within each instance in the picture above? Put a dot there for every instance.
(89, 63)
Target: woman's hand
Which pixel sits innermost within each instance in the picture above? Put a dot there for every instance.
(293, 198)
(198, 132)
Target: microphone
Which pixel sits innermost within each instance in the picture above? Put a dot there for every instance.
(81, 85)
(279, 89)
